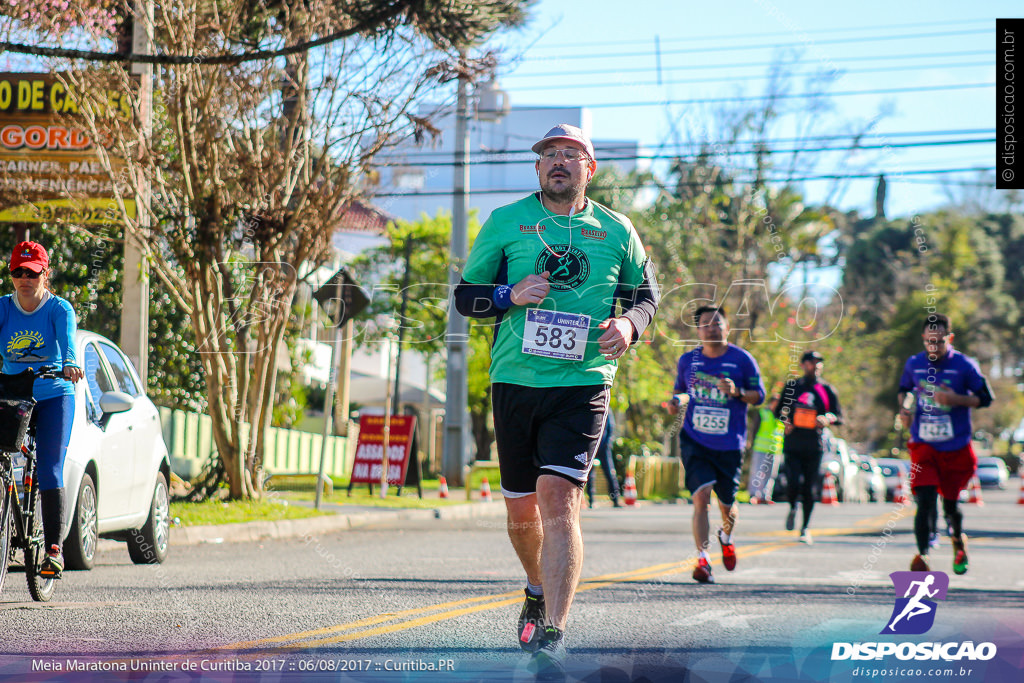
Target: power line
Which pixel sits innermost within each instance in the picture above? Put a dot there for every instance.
(631, 84)
(744, 36)
(762, 98)
(731, 65)
(889, 177)
(742, 152)
(481, 156)
(763, 46)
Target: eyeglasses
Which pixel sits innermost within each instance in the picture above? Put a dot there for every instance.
(21, 273)
(569, 154)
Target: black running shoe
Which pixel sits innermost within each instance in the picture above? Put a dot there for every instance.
(531, 622)
(791, 519)
(548, 661)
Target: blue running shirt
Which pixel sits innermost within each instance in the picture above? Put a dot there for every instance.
(713, 419)
(945, 428)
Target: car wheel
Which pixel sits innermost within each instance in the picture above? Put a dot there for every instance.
(80, 547)
(149, 544)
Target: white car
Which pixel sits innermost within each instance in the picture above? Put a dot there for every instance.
(117, 469)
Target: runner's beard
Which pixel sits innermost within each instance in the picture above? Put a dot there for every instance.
(573, 191)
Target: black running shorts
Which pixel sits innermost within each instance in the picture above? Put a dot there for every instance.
(553, 430)
(707, 467)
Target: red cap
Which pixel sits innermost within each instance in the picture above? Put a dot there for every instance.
(30, 255)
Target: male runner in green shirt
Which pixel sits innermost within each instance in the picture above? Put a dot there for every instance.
(551, 268)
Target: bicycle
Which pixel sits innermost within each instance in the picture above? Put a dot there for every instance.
(21, 525)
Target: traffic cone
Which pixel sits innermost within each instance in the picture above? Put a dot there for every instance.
(902, 493)
(485, 491)
(975, 492)
(443, 489)
(629, 492)
(1020, 499)
(828, 495)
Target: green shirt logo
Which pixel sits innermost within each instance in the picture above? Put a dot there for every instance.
(567, 265)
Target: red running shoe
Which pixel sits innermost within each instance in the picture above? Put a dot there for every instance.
(728, 553)
(702, 572)
(919, 563)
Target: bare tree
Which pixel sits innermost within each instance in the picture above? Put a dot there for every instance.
(250, 165)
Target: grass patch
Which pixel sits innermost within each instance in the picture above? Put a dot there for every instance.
(221, 512)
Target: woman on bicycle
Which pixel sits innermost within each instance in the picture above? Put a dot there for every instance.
(38, 328)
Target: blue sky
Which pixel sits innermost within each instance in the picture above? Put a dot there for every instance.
(935, 59)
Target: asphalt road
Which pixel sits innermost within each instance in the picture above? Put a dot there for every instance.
(395, 601)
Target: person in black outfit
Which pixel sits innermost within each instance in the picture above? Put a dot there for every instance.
(807, 407)
(604, 455)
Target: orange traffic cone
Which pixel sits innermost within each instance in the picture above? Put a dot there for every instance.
(629, 492)
(902, 492)
(443, 488)
(828, 495)
(1020, 499)
(975, 491)
(485, 491)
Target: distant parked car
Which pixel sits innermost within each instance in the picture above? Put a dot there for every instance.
(871, 478)
(117, 470)
(837, 460)
(891, 468)
(992, 472)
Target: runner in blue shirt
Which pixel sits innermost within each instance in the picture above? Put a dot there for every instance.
(719, 381)
(945, 385)
(37, 328)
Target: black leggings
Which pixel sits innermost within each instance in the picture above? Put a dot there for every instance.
(927, 511)
(801, 477)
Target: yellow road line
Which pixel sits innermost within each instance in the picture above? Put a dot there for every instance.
(370, 621)
(497, 601)
(865, 525)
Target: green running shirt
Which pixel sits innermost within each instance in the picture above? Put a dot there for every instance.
(587, 261)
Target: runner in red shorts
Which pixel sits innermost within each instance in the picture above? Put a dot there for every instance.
(945, 384)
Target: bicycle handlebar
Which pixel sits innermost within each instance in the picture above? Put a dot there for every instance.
(46, 372)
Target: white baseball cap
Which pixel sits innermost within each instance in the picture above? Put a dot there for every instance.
(565, 131)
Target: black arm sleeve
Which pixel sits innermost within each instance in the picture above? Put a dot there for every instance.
(836, 409)
(642, 302)
(985, 396)
(785, 404)
(476, 301)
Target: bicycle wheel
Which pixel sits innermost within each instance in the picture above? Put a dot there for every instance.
(6, 502)
(41, 589)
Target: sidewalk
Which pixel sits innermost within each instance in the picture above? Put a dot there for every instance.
(343, 517)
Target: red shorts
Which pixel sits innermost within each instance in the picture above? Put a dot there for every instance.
(951, 471)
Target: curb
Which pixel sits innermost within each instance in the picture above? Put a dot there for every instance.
(291, 528)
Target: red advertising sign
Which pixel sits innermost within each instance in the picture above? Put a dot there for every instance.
(366, 468)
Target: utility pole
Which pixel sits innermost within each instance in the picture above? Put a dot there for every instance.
(135, 278)
(456, 415)
(396, 396)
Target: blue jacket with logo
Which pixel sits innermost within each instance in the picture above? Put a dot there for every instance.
(43, 337)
